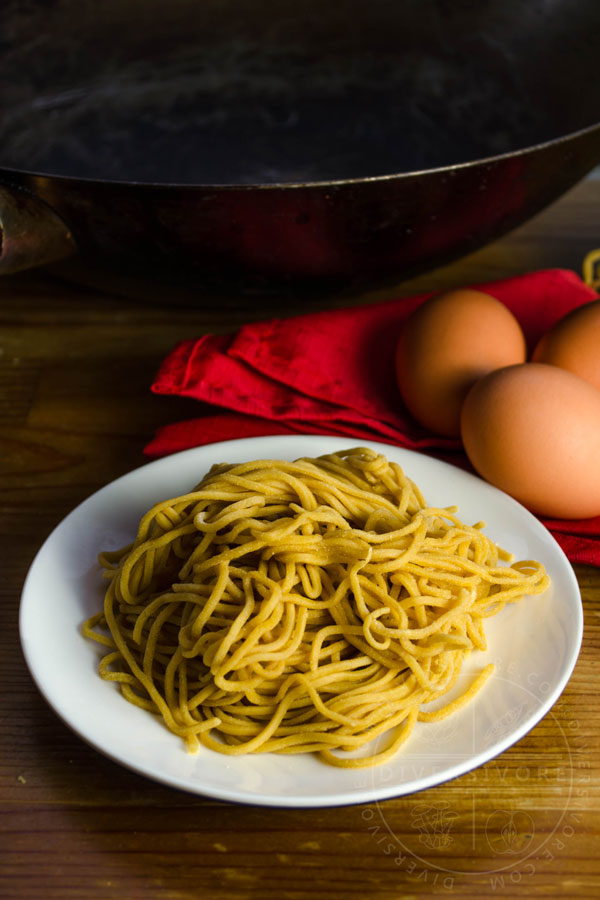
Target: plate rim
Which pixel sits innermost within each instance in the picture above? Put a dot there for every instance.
(354, 795)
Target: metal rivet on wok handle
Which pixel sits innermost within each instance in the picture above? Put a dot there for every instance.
(31, 233)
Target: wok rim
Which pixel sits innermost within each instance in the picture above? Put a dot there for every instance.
(310, 185)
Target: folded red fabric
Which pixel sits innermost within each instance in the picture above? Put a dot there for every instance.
(332, 372)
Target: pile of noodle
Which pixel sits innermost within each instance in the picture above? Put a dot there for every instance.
(306, 606)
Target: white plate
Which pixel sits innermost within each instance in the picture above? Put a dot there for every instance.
(533, 643)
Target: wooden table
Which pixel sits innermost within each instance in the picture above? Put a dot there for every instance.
(76, 411)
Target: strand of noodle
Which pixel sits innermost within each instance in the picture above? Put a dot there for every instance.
(465, 697)
(138, 674)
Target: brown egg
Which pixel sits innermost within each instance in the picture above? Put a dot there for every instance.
(573, 343)
(449, 342)
(533, 430)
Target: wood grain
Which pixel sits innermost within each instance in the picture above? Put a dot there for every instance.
(75, 412)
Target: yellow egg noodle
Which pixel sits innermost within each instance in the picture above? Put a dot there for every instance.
(301, 606)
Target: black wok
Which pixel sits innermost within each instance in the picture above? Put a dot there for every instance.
(268, 147)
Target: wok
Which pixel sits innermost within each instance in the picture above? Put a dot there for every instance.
(258, 147)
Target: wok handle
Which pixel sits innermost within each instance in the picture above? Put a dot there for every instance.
(31, 233)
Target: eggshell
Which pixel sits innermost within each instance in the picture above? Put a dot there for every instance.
(533, 430)
(574, 343)
(449, 342)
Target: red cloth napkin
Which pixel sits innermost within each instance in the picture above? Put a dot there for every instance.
(332, 372)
